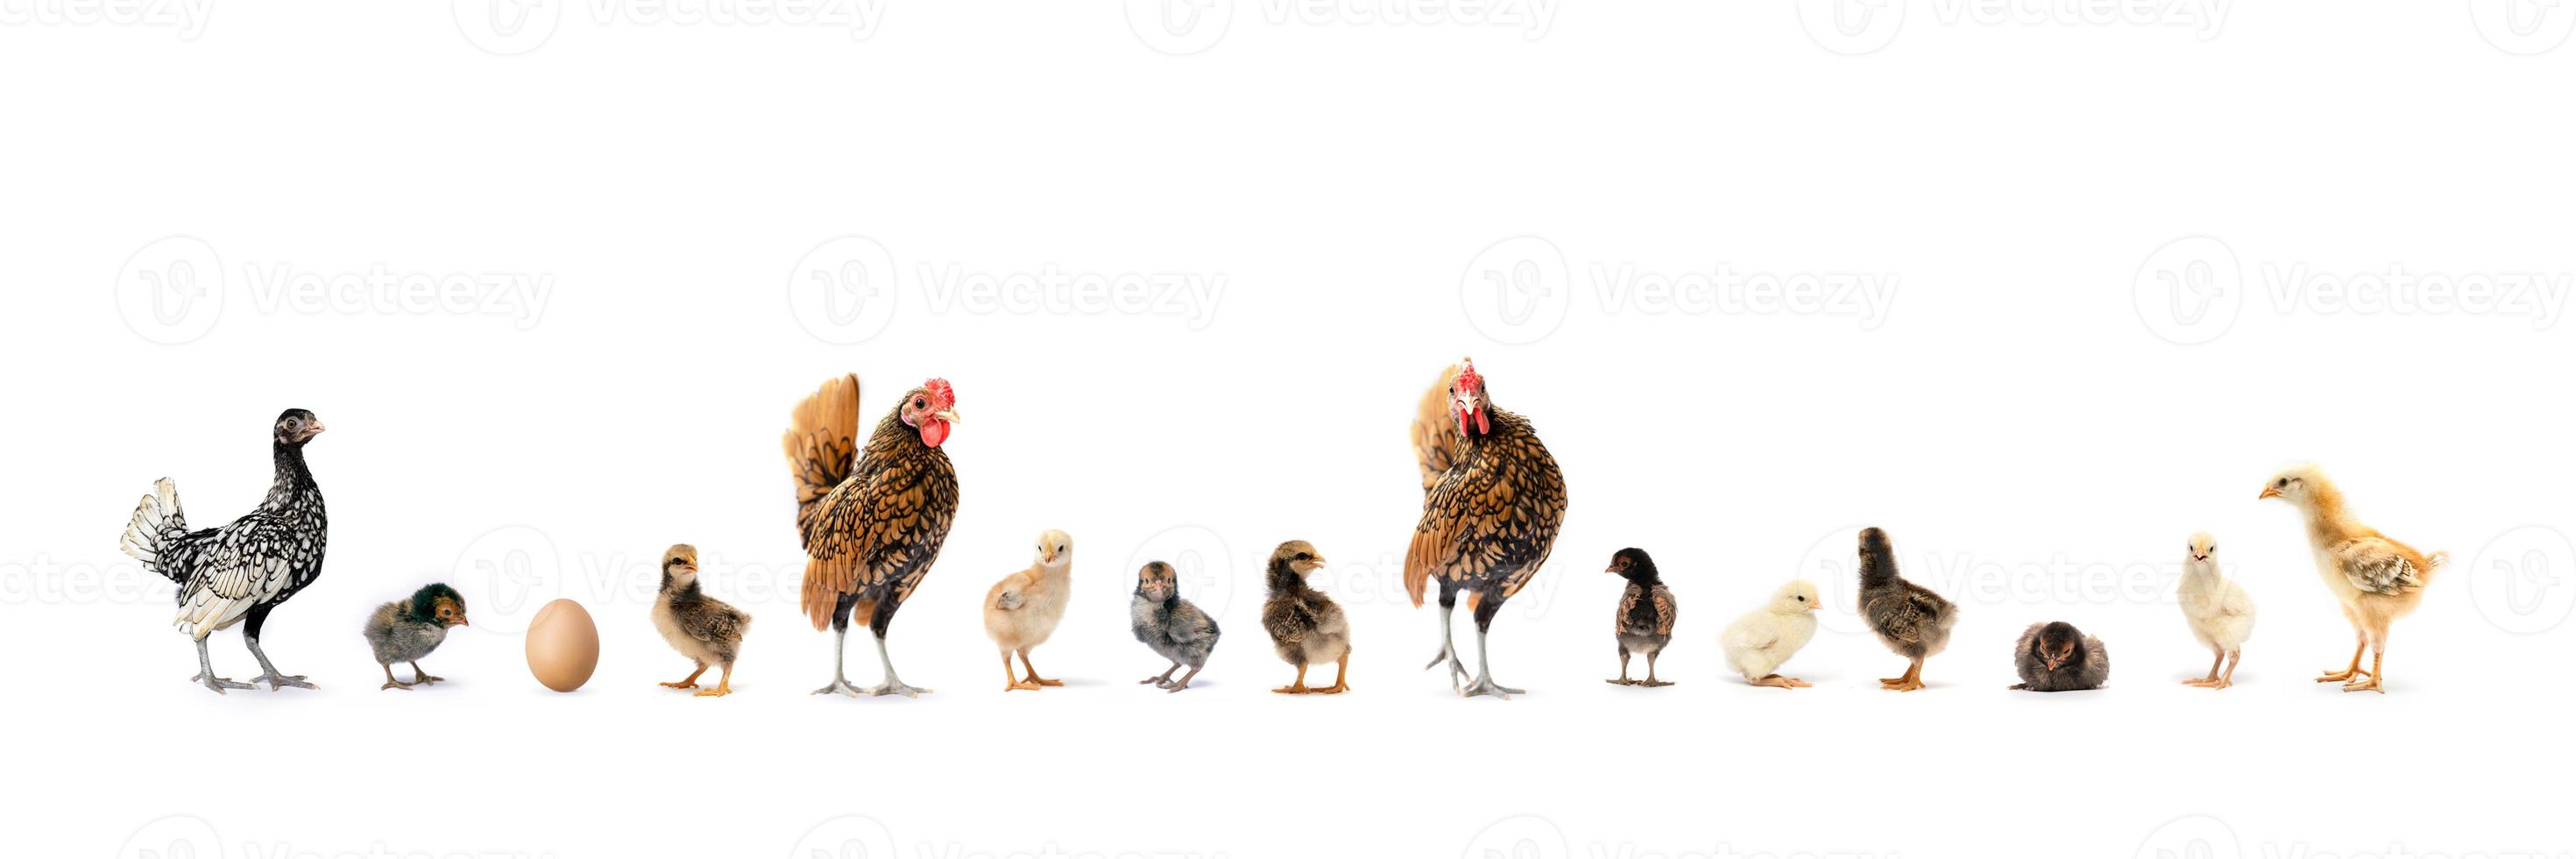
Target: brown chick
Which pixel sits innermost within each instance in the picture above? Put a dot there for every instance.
(2377, 579)
(700, 627)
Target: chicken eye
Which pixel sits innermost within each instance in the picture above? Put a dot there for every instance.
(1802, 599)
(1302, 556)
(918, 402)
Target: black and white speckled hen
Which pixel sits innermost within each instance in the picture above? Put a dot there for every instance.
(1490, 513)
(873, 519)
(240, 572)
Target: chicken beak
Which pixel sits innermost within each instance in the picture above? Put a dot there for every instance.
(2268, 492)
(948, 414)
(460, 621)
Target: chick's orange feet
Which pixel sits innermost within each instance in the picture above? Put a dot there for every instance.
(1911, 680)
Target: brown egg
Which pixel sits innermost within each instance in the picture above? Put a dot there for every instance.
(563, 646)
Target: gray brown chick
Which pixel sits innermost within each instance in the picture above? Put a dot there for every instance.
(2057, 657)
(407, 630)
(1909, 618)
(1173, 627)
(700, 627)
(1305, 626)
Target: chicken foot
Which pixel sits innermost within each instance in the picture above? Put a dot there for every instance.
(2372, 684)
(1650, 671)
(2353, 670)
(2216, 680)
(390, 682)
(1011, 681)
(1341, 676)
(724, 685)
(840, 678)
(893, 685)
(269, 673)
(1164, 679)
(419, 676)
(1033, 671)
(1778, 682)
(1184, 682)
(206, 673)
(1299, 686)
(689, 682)
(1485, 684)
(1911, 680)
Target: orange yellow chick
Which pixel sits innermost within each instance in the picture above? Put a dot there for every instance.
(1022, 609)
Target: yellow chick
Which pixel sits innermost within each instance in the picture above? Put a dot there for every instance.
(1023, 608)
(1757, 643)
(2377, 579)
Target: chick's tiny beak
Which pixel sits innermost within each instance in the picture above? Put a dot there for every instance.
(2268, 492)
(948, 414)
(460, 621)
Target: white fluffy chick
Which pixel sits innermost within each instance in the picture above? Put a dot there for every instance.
(2220, 613)
(1757, 643)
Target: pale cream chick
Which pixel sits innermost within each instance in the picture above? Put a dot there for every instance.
(1022, 609)
(2377, 579)
(2220, 613)
(1764, 638)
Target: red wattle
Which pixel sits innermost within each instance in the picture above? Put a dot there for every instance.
(934, 431)
(1481, 426)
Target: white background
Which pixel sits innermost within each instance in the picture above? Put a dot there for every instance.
(2027, 416)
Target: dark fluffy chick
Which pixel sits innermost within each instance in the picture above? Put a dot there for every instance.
(2057, 657)
(1909, 618)
(1170, 625)
(407, 630)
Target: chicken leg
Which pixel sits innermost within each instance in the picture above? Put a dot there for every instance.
(1779, 682)
(419, 676)
(1033, 671)
(1623, 669)
(2378, 650)
(269, 673)
(390, 682)
(2351, 671)
(1650, 671)
(1298, 687)
(840, 653)
(1011, 676)
(1448, 651)
(1166, 678)
(206, 673)
(1341, 676)
(724, 684)
(2220, 657)
(689, 682)
(1183, 683)
(2217, 680)
(1485, 684)
(1910, 681)
(893, 685)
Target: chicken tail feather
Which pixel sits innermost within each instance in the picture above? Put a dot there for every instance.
(157, 527)
(1417, 567)
(818, 598)
(2432, 563)
(822, 444)
(1435, 433)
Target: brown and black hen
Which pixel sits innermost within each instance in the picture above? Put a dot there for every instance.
(1492, 504)
(872, 519)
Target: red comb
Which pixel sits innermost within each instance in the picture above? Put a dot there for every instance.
(1467, 372)
(940, 391)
